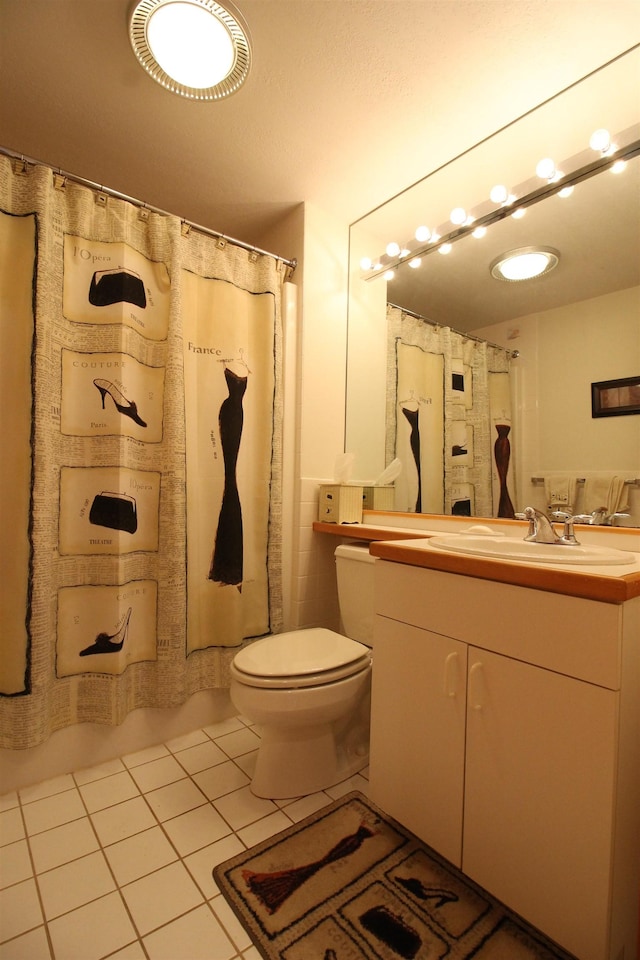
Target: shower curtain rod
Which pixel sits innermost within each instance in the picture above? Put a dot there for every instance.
(291, 264)
(513, 354)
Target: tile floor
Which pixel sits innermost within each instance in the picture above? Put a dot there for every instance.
(115, 861)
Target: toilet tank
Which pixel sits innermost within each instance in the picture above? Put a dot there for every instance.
(354, 572)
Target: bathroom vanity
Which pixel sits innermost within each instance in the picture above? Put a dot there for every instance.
(506, 731)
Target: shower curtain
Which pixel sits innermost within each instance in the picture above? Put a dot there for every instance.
(448, 419)
(141, 413)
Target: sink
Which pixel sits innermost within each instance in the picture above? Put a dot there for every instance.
(504, 548)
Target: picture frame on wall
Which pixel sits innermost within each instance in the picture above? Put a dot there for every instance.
(615, 398)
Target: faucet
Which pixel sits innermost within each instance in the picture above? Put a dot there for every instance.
(599, 517)
(541, 528)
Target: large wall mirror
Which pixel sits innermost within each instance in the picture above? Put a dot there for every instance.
(576, 325)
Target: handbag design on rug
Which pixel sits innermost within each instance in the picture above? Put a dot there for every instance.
(115, 510)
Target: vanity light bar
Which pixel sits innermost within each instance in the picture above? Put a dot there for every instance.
(495, 216)
(635, 481)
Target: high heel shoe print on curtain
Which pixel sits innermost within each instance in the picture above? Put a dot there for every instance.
(105, 643)
(126, 407)
(228, 553)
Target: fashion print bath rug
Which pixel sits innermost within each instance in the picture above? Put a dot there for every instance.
(349, 883)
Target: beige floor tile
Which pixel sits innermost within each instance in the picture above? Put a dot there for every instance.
(19, 909)
(305, 806)
(139, 855)
(53, 811)
(11, 826)
(200, 757)
(161, 897)
(93, 931)
(215, 730)
(8, 801)
(174, 799)
(196, 829)
(123, 820)
(242, 807)
(145, 756)
(231, 924)
(135, 951)
(48, 788)
(198, 936)
(200, 864)
(186, 741)
(353, 783)
(108, 791)
(266, 827)
(62, 844)
(239, 742)
(15, 863)
(75, 884)
(30, 946)
(157, 773)
(225, 778)
(106, 769)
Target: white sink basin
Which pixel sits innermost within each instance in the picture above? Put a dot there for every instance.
(505, 548)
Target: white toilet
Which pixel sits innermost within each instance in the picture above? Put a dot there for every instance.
(310, 691)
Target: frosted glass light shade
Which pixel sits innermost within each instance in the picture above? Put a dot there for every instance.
(195, 48)
(525, 263)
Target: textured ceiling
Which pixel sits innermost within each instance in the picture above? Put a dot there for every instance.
(348, 101)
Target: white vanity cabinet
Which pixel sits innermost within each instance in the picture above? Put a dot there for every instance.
(505, 729)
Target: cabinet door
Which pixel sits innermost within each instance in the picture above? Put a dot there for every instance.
(417, 732)
(538, 814)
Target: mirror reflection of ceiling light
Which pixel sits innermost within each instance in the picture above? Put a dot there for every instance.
(524, 263)
(195, 48)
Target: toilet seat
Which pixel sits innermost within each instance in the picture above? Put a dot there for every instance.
(300, 658)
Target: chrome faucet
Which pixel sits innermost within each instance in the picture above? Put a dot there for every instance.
(541, 528)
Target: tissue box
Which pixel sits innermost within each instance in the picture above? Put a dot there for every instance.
(378, 498)
(340, 503)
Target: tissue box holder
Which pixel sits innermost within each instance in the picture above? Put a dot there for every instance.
(378, 498)
(340, 503)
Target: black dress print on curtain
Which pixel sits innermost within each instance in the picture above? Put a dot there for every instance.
(227, 561)
(502, 454)
(414, 440)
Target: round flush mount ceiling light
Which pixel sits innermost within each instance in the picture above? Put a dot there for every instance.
(195, 48)
(525, 263)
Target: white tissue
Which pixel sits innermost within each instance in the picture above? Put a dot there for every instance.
(343, 467)
(389, 474)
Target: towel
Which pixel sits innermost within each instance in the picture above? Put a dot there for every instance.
(607, 493)
(560, 492)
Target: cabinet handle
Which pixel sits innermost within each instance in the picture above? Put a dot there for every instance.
(451, 675)
(476, 687)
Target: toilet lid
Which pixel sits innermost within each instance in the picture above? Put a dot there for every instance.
(302, 654)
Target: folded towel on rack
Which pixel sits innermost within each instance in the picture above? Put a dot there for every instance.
(560, 492)
(608, 492)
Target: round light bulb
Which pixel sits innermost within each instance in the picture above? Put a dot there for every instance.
(618, 166)
(499, 194)
(600, 140)
(366, 263)
(389, 274)
(423, 234)
(546, 169)
(519, 213)
(393, 249)
(190, 44)
(415, 263)
(565, 192)
(445, 248)
(458, 216)
(479, 233)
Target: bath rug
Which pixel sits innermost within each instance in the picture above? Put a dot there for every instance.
(350, 883)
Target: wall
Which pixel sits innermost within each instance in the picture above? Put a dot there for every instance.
(562, 352)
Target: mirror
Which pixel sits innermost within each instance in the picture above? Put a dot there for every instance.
(577, 325)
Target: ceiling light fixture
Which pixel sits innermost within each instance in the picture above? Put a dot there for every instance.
(524, 263)
(195, 48)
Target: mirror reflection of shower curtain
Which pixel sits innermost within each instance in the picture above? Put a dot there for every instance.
(419, 430)
(458, 388)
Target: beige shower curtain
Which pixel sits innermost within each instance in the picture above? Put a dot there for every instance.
(448, 420)
(140, 405)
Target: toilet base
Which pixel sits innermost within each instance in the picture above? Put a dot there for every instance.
(297, 762)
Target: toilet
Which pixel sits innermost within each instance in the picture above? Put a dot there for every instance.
(310, 691)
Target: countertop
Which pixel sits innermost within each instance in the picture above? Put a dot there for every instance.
(608, 584)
